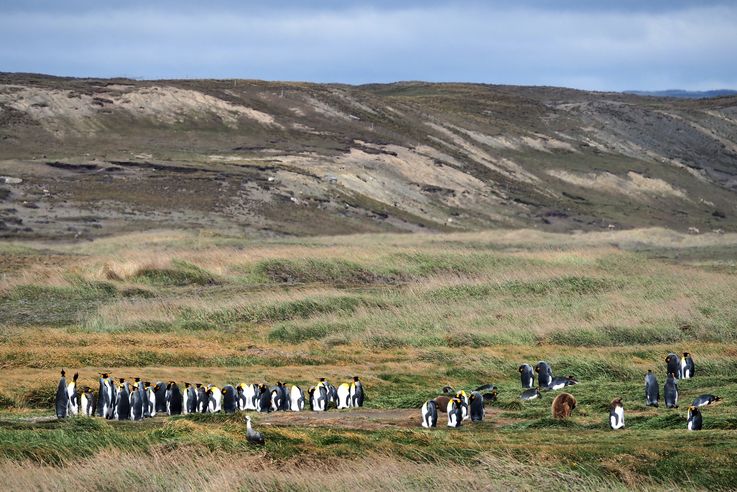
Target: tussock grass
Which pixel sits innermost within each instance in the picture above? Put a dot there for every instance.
(409, 314)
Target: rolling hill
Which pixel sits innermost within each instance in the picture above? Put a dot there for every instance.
(98, 157)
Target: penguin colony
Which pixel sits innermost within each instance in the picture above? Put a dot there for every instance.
(460, 406)
(139, 399)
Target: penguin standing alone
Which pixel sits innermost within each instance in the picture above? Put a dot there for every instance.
(527, 376)
(687, 366)
(62, 398)
(652, 390)
(616, 414)
(476, 403)
(357, 395)
(429, 414)
(671, 391)
(544, 374)
(695, 421)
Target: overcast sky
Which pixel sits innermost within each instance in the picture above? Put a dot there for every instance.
(588, 44)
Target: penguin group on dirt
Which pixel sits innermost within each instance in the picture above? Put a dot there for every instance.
(137, 400)
(460, 406)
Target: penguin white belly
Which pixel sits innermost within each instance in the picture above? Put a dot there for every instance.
(452, 419)
(425, 416)
(250, 393)
(185, 396)
(152, 403)
(344, 395)
(73, 405)
(296, 402)
(617, 420)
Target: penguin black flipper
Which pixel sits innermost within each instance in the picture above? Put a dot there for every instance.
(62, 398)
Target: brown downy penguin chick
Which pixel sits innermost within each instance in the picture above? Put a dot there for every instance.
(563, 406)
(442, 403)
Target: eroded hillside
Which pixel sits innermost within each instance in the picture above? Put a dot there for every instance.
(98, 157)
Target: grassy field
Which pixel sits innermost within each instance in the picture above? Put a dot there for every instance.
(407, 313)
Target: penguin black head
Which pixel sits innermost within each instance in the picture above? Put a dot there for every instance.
(224, 391)
(168, 386)
(105, 375)
(63, 373)
(685, 354)
(355, 378)
(667, 359)
(187, 385)
(147, 384)
(521, 368)
(198, 384)
(136, 379)
(322, 380)
(537, 367)
(74, 378)
(121, 380)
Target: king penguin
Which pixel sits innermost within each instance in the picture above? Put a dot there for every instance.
(174, 405)
(264, 399)
(544, 374)
(687, 366)
(455, 412)
(357, 394)
(297, 399)
(476, 403)
(160, 392)
(344, 396)
(671, 391)
(695, 421)
(527, 376)
(429, 414)
(123, 402)
(652, 390)
(616, 414)
(87, 402)
(230, 405)
(674, 365)
(201, 398)
(104, 397)
(463, 397)
(319, 398)
(62, 398)
(150, 409)
(704, 400)
(73, 405)
(189, 402)
(136, 399)
(530, 394)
